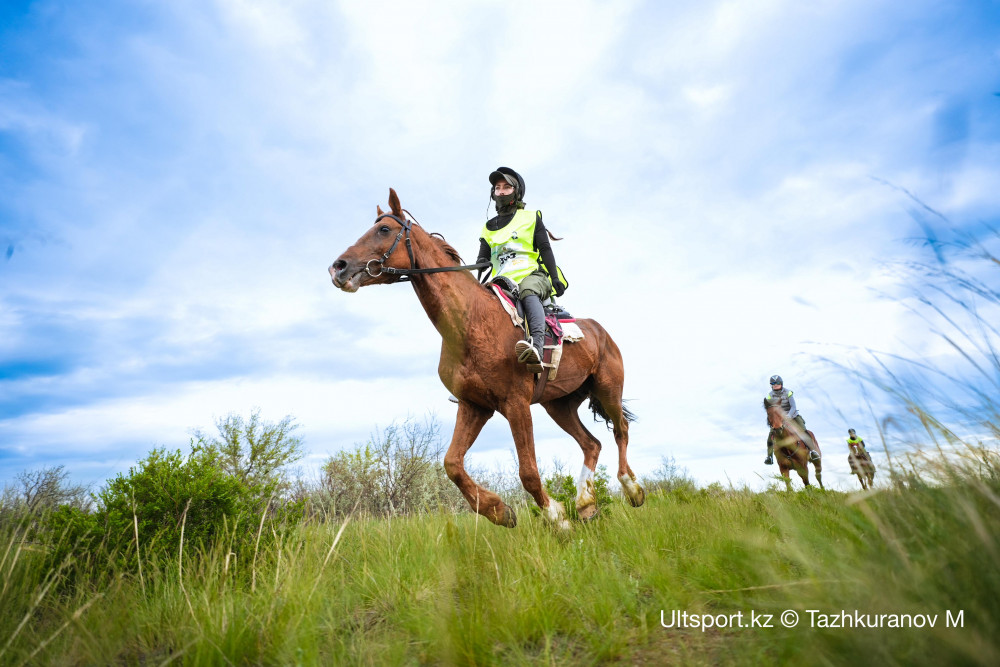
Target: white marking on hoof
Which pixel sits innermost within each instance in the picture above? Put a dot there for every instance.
(632, 489)
(586, 496)
(555, 514)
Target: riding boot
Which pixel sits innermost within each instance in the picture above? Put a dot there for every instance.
(807, 441)
(530, 351)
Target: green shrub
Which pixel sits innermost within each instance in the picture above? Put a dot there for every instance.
(254, 451)
(167, 490)
(398, 471)
(562, 487)
(668, 478)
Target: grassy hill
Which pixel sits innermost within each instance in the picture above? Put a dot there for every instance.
(448, 589)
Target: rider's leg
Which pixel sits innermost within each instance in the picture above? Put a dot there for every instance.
(531, 290)
(770, 451)
(806, 440)
(531, 352)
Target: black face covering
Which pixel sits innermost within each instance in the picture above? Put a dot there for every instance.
(506, 203)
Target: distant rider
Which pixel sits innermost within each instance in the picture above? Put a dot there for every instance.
(516, 244)
(782, 396)
(857, 445)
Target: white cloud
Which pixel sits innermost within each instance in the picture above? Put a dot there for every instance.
(708, 165)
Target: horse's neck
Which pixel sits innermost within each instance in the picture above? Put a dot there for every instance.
(447, 297)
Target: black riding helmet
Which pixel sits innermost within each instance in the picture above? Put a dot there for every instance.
(776, 379)
(512, 177)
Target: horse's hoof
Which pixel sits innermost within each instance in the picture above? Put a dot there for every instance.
(586, 500)
(508, 519)
(555, 514)
(635, 494)
(588, 513)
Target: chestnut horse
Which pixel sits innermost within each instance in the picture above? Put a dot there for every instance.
(789, 448)
(862, 466)
(479, 367)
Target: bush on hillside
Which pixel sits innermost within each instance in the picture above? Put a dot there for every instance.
(669, 478)
(166, 491)
(561, 487)
(397, 471)
(255, 452)
(47, 488)
(235, 479)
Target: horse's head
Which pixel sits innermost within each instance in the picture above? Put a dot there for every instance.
(379, 247)
(775, 416)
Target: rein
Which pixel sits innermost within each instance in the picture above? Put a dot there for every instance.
(406, 226)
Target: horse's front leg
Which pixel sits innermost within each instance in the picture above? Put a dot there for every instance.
(803, 473)
(519, 417)
(470, 421)
(786, 477)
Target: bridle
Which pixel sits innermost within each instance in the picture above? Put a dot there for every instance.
(404, 232)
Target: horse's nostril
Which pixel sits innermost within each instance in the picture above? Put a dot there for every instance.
(339, 264)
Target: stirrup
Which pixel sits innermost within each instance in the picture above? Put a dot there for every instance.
(769, 461)
(527, 353)
(814, 455)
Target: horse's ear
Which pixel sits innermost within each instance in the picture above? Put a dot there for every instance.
(380, 211)
(394, 203)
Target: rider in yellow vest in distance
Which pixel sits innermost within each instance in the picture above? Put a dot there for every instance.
(516, 244)
(855, 444)
(779, 394)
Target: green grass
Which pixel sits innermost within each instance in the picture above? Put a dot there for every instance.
(445, 589)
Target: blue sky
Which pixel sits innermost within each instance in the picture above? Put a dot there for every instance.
(728, 177)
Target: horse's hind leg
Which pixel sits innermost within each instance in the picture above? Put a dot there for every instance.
(564, 413)
(470, 421)
(608, 381)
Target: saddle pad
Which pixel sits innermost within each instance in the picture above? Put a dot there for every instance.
(571, 331)
(508, 305)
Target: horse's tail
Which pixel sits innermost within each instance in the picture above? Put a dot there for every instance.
(586, 390)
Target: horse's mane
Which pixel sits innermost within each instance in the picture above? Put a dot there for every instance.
(439, 239)
(448, 250)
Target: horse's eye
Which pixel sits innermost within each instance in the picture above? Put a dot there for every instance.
(384, 229)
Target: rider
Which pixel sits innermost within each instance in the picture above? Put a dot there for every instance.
(782, 396)
(516, 243)
(856, 444)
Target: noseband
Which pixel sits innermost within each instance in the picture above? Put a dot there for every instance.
(406, 227)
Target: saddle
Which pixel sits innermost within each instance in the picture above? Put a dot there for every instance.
(560, 326)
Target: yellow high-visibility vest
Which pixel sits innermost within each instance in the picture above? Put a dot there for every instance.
(512, 248)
